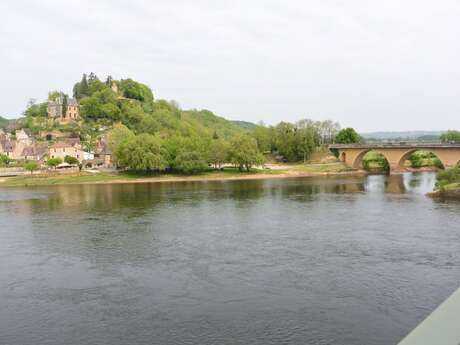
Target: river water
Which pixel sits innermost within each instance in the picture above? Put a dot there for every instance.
(339, 260)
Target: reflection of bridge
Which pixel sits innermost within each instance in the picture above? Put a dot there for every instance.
(397, 154)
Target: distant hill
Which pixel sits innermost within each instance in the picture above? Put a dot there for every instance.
(245, 125)
(407, 135)
(3, 122)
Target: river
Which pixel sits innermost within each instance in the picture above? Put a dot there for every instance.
(338, 260)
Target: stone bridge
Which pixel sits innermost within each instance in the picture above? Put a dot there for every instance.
(396, 154)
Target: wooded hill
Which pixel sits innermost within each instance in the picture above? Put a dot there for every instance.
(3, 122)
(133, 104)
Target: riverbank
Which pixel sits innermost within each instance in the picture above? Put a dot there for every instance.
(450, 191)
(274, 171)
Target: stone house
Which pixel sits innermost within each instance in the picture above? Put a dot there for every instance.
(36, 152)
(56, 111)
(103, 154)
(24, 136)
(7, 147)
(70, 147)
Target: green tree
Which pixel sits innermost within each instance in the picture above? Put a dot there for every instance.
(218, 152)
(71, 160)
(4, 160)
(116, 136)
(54, 162)
(348, 136)
(36, 109)
(451, 136)
(144, 152)
(31, 166)
(307, 138)
(264, 138)
(244, 152)
(190, 161)
(286, 141)
(52, 95)
(134, 90)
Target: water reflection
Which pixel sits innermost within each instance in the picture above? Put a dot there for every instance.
(339, 260)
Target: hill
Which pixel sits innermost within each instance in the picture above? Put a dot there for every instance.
(245, 125)
(3, 122)
(126, 101)
(406, 135)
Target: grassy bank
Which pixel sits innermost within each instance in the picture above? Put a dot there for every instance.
(275, 171)
(448, 184)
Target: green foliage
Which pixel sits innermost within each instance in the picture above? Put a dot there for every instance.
(134, 90)
(36, 109)
(71, 160)
(416, 161)
(264, 137)
(53, 162)
(375, 161)
(348, 136)
(218, 152)
(3, 122)
(4, 160)
(448, 176)
(31, 166)
(188, 155)
(244, 152)
(144, 152)
(81, 89)
(451, 136)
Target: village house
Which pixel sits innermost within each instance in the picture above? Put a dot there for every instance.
(69, 147)
(56, 111)
(103, 155)
(7, 147)
(37, 152)
(24, 136)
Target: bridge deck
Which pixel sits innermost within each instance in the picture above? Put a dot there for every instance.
(396, 145)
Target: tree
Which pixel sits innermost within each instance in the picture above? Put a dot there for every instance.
(31, 166)
(71, 160)
(144, 152)
(218, 152)
(64, 104)
(348, 136)
(4, 160)
(52, 95)
(117, 136)
(134, 90)
(36, 109)
(264, 137)
(190, 161)
(54, 162)
(451, 136)
(81, 89)
(307, 138)
(244, 152)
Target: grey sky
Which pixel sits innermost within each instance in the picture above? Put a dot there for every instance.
(373, 65)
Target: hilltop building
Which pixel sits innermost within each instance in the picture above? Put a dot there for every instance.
(56, 111)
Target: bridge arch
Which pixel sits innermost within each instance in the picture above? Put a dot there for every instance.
(407, 155)
(356, 160)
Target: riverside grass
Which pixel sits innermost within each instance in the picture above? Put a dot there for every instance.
(287, 170)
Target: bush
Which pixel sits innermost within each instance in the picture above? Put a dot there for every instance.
(71, 160)
(53, 162)
(446, 177)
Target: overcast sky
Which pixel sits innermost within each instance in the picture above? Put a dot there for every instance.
(372, 65)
